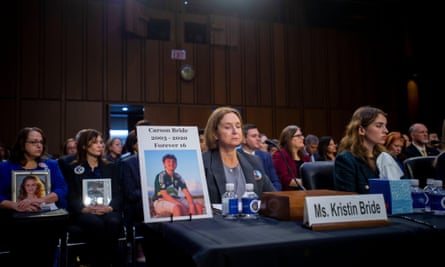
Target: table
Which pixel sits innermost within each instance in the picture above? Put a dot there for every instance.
(268, 242)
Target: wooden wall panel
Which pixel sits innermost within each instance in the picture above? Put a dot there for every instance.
(233, 96)
(287, 116)
(187, 88)
(315, 76)
(152, 71)
(31, 49)
(220, 75)
(261, 117)
(279, 65)
(8, 134)
(315, 121)
(204, 74)
(74, 51)
(265, 64)
(162, 115)
(332, 90)
(339, 118)
(169, 74)
(295, 41)
(194, 116)
(134, 70)
(47, 118)
(81, 114)
(95, 51)
(250, 62)
(114, 48)
(52, 69)
(78, 51)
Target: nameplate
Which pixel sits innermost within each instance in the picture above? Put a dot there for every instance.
(331, 210)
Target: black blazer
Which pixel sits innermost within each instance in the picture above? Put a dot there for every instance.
(216, 179)
(412, 151)
(76, 173)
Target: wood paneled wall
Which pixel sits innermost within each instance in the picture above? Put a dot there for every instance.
(67, 60)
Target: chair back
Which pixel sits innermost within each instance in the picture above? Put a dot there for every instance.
(318, 174)
(420, 168)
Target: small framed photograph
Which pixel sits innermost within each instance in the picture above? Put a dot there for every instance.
(96, 191)
(30, 184)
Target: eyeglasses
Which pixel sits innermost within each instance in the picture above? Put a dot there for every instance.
(35, 142)
(298, 135)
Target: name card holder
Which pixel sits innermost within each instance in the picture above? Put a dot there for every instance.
(344, 211)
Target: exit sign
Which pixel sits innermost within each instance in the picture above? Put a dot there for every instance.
(178, 54)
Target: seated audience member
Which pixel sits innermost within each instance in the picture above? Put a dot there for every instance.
(311, 142)
(223, 163)
(419, 140)
(362, 154)
(263, 143)
(113, 149)
(101, 222)
(273, 146)
(202, 141)
(327, 149)
(434, 142)
(394, 144)
(439, 165)
(130, 144)
(28, 153)
(407, 140)
(288, 159)
(66, 159)
(70, 146)
(251, 145)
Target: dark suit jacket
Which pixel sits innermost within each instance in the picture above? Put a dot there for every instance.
(351, 173)
(412, 151)
(268, 166)
(216, 179)
(131, 187)
(75, 177)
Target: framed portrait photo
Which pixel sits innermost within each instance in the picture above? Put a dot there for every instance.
(30, 184)
(96, 191)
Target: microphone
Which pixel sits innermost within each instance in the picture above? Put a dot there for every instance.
(270, 143)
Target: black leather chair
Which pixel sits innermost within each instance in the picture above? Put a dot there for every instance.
(318, 175)
(420, 168)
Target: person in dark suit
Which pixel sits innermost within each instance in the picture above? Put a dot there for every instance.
(418, 133)
(251, 145)
(223, 163)
(359, 148)
(102, 223)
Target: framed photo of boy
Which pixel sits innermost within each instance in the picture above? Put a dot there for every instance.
(173, 182)
(96, 191)
(26, 184)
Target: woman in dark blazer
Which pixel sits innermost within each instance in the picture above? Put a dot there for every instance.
(359, 148)
(101, 221)
(223, 163)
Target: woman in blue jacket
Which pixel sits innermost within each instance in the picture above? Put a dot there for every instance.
(28, 154)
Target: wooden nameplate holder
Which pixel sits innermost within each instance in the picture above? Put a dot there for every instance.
(290, 205)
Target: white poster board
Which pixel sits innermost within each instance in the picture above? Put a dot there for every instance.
(181, 143)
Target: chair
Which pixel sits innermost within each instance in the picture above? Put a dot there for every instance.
(75, 238)
(420, 168)
(318, 174)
